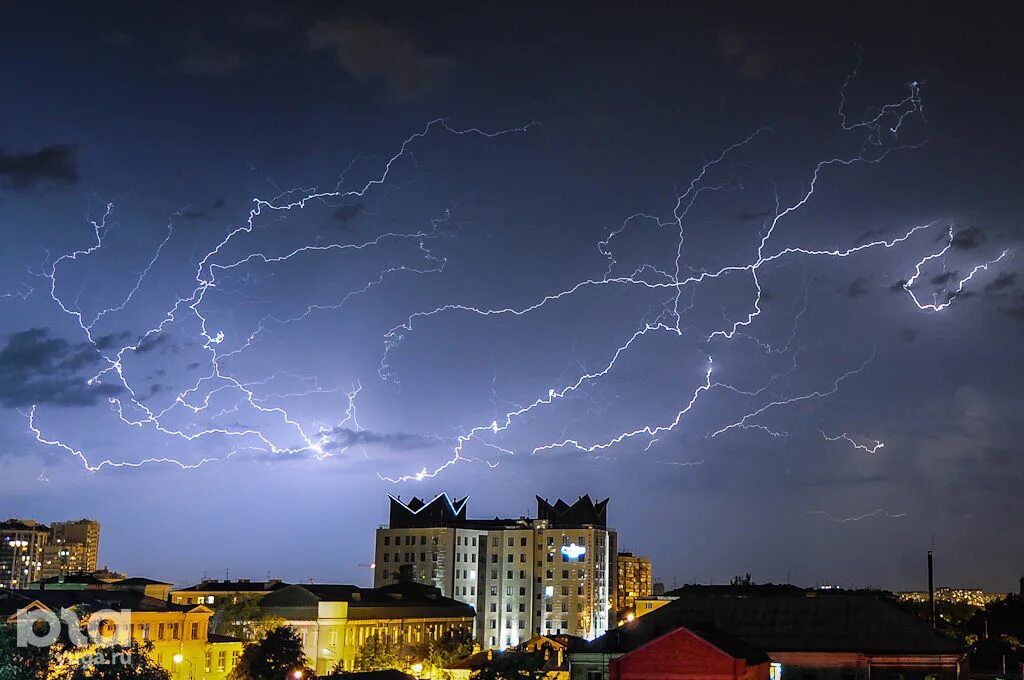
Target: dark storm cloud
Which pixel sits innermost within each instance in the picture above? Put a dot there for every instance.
(202, 57)
(368, 51)
(968, 239)
(909, 334)
(343, 215)
(944, 278)
(150, 343)
(202, 213)
(1002, 282)
(869, 235)
(1016, 311)
(898, 287)
(38, 369)
(342, 437)
(858, 288)
(52, 165)
(751, 215)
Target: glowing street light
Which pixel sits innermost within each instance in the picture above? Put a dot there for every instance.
(297, 675)
(417, 668)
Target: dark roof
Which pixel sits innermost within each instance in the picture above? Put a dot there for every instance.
(13, 600)
(581, 513)
(734, 647)
(141, 581)
(214, 637)
(17, 525)
(235, 586)
(400, 600)
(804, 622)
(79, 578)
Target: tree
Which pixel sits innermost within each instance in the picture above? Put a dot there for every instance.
(379, 655)
(119, 662)
(243, 618)
(275, 657)
(31, 663)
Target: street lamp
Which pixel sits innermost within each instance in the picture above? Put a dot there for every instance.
(297, 675)
(177, 659)
(417, 668)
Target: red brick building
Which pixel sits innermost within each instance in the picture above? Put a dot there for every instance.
(686, 654)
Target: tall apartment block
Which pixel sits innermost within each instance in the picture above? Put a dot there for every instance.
(30, 551)
(21, 551)
(634, 581)
(553, 574)
(73, 548)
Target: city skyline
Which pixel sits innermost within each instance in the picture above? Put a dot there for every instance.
(752, 275)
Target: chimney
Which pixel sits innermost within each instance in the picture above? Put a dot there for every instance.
(931, 590)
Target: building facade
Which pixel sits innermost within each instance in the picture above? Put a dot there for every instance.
(21, 551)
(635, 580)
(71, 548)
(550, 575)
(181, 641)
(212, 592)
(808, 635)
(334, 621)
(30, 551)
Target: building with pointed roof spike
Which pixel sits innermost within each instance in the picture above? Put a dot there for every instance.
(550, 575)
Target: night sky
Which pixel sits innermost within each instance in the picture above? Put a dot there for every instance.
(749, 271)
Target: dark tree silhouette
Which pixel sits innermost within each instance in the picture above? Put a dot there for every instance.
(276, 657)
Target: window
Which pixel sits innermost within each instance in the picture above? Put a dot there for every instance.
(474, 541)
(494, 574)
(209, 661)
(565, 606)
(522, 624)
(423, 557)
(160, 631)
(458, 540)
(472, 590)
(387, 557)
(387, 540)
(434, 540)
(522, 557)
(522, 541)
(508, 591)
(474, 557)
(494, 607)
(510, 557)
(565, 573)
(522, 607)
(509, 572)
(195, 631)
(458, 557)
(510, 541)
(565, 590)
(508, 608)
(522, 591)
(423, 540)
(494, 542)
(522, 574)
(222, 660)
(235, 656)
(549, 574)
(397, 558)
(494, 558)
(547, 607)
(551, 540)
(493, 624)
(433, 556)
(551, 557)
(565, 625)
(494, 591)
